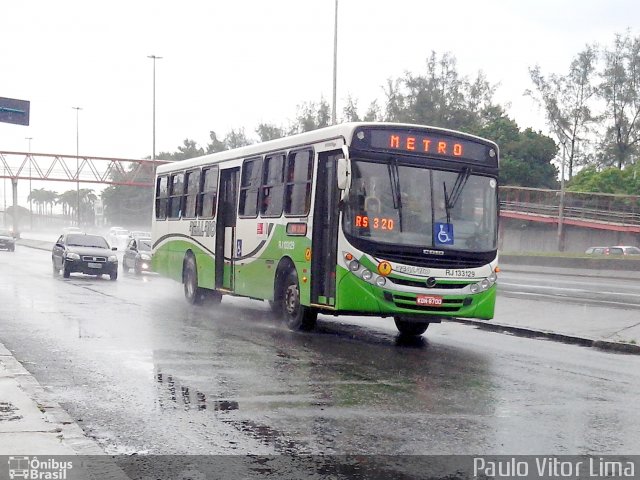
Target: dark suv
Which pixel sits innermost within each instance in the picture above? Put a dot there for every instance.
(83, 253)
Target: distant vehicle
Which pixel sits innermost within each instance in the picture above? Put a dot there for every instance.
(137, 256)
(597, 251)
(7, 241)
(118, 237)
(615, 250)
(623, 250)
(139, 234)
(88, 254)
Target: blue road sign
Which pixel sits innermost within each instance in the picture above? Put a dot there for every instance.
(14, 111)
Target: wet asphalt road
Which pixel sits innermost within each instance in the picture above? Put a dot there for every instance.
(142, 372)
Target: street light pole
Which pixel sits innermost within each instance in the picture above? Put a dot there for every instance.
(77, 109)
(154, 58)
(30, 189)
(335, 64)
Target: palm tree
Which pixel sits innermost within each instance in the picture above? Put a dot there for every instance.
(69, 201)
(38, 197)
(49, 198)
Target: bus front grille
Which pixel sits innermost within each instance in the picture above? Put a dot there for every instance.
(423, 283)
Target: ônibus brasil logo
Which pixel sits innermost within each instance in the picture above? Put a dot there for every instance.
(33, 468)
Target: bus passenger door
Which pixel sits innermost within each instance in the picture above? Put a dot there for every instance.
(226, 227)
(325, 231)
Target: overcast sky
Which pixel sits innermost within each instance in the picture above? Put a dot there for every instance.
(235, 64)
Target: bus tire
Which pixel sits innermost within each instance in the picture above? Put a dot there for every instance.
(296, 316)
(284, 268)
(192, 293)
(409, 328)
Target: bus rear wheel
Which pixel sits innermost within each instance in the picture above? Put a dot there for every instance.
(409, 328)
(296, 315)
(192, 293)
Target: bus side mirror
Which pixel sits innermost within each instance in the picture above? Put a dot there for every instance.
(343, 174)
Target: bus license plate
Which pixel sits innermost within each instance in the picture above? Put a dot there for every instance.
(431, 300)
(94, 265)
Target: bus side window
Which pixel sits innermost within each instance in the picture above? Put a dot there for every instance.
(249, 187)
(297, 200)
(162, 200)
(272, 189)
(208, 196)
(176, 195)
(192, 180)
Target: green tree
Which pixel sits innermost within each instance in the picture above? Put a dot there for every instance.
(69, 201)
(214, 144)
(188, 149)
(311, 116)
(620, 90)
(130, 205)
(236, 139)
(525, 156)
(607, 180)
(37, 196)
(567, 103)
(440, 97)
(268, 132)
(350, 111)
(373, 113)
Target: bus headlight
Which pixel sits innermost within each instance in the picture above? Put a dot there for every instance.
(354, 265)
(381, 281)
(493, 277)
(484, 284)
(366, 275)
(475, 288)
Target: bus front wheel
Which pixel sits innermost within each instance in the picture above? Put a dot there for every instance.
(410, 329)
(296, 315)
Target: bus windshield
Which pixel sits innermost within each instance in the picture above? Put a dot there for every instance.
(411, 205)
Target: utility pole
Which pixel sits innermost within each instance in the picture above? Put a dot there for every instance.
(77, 109)
(154, 58)
(30, 189)
(335, 64)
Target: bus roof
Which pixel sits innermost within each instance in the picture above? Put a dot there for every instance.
(343, 130)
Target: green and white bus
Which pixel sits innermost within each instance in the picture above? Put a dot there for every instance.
(376, 219)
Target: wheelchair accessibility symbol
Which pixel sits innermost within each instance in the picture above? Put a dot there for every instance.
(443, 233)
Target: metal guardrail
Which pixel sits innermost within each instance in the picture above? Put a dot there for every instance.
(594, 207)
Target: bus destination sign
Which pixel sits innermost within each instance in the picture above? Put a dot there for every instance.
(431, 144)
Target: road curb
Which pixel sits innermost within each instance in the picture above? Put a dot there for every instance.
(69, 431)
(37, 244)
(607, 345)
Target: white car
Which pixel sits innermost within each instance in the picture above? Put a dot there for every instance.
(118, 237)
(624, 250)
(135, 234)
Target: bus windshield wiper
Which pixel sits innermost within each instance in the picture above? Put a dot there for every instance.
(450, 200)
(395, 188)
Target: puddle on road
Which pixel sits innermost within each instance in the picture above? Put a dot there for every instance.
(173, 395)
(179, 396)
(8, 412)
